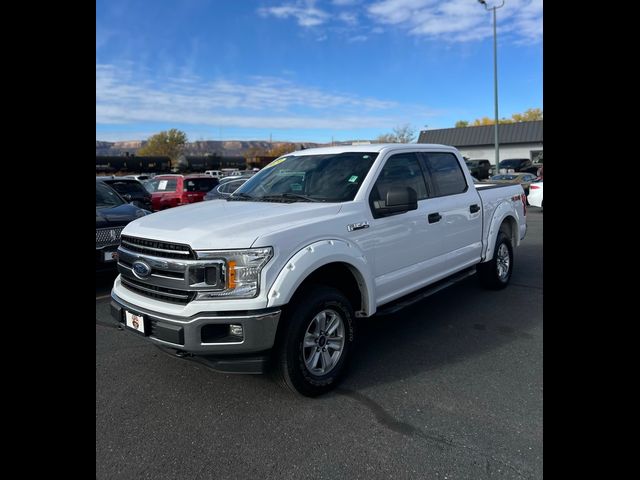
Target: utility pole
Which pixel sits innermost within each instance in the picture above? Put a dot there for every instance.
(495, 79)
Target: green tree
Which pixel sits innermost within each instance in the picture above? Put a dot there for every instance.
(401, 134)
(169, 143)
(462, 124)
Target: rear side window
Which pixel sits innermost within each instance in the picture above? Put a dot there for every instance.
(163, 185)
(230, 187)
(402, 170)
(445, 172)
(200, 184)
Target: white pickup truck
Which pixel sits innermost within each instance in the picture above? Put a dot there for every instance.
(273, 277)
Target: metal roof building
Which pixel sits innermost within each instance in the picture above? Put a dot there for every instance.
(516, 140)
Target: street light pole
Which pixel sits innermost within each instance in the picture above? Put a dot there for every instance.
(495, 79)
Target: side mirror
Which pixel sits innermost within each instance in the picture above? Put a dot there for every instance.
(399, 200)
(127, 197)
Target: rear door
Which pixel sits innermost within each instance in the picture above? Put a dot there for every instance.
(456, 207)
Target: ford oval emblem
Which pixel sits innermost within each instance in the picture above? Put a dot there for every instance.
(141, 269)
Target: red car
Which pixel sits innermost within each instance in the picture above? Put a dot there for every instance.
(169, 191)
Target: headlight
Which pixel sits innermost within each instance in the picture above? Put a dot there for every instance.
(240, 273)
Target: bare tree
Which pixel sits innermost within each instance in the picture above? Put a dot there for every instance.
(401, 134)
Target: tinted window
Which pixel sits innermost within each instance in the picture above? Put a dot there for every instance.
(162, 185)
(106, 197)
(514, 163)
(446, 174)
(230, 187)
(124, 187)
(200, 184)
(402, 170)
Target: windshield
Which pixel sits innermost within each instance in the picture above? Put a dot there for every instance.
(106, 197)
(162, 185)
(311, 178)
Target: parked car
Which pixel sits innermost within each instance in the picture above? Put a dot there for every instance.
(140, 178)
(112, 213)
(276, 276)
(535, 194)
(169, 191)
(521, 178)
(131, 190)
(226, 188)
(517, 165)
(215, 174)
(479, 168)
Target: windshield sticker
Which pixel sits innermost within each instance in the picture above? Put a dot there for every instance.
(353, 178)
(162, 185)
(276, 162)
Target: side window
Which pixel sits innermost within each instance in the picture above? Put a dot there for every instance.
(401, 170)
(446, 175)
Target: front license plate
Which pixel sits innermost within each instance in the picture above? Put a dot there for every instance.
(135, 322)
(110, 256)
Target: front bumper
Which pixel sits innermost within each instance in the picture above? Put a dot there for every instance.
(205, 333)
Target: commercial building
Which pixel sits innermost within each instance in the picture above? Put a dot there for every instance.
(516, 140)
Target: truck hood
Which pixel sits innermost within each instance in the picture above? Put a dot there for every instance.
(219, 224)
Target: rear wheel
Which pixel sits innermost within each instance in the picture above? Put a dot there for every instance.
(496, 273)
(315, 343)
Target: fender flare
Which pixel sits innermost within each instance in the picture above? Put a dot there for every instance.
(502, 211)
(316, 255)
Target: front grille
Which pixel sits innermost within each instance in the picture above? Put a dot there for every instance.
(107, 236)
(157, 248)
(161, 293)
(157, 271)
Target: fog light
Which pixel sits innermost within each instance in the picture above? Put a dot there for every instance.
(236, 330)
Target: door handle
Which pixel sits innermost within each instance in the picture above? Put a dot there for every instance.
(474, 208)
(434, 217)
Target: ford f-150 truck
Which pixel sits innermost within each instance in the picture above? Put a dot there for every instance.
(273, 277)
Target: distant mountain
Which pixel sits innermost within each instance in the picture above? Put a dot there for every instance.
(202, 147)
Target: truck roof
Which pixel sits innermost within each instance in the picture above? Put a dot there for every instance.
(374, 147)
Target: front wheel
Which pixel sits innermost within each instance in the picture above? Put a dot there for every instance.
(315, 343)
(496, 273)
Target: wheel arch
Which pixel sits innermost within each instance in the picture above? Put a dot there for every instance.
(335, 263)
(503, 220)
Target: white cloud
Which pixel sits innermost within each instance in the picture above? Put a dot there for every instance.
(446, 20)
(358, 38)
(125, 97)
(460, 20)
(349, 18)
(305, 13)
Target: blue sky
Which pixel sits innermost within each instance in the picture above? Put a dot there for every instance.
(305, 70)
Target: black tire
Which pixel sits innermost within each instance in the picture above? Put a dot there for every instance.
(290, 367)
(488, 272)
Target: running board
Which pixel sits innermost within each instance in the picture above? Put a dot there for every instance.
(394, 306)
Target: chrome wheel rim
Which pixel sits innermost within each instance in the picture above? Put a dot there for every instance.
(323, 342)
(503, 261)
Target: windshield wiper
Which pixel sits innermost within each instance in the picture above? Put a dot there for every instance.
(241, 196)
(294, 196)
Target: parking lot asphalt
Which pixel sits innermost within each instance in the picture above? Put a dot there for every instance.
(449, 388)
